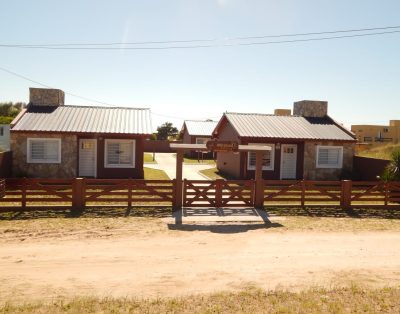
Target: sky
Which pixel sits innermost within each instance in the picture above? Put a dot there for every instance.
(359, 77)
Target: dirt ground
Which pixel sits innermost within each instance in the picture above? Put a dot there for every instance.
(143, 257)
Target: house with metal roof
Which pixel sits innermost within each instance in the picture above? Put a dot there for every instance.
(53, 140)
(197, 132)
(306, 145)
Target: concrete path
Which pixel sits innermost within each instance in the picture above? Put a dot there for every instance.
(167, 162)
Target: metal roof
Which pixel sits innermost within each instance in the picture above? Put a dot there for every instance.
(85, 119)
(291, 127)
(197, 127)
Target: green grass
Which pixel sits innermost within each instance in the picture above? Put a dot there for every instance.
(380, 152)
(154, 174)
(351, 299)
(148, 158)
(214, 174)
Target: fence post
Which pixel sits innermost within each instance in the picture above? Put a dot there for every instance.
(218, 193)
(130, 185)
(259, 193)
(346, 194)
(386, 188)
(178, 190)
(78, 194)
(23, 193)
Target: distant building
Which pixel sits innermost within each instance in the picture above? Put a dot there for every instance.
(4, 137)
(378, 134)
(197, 132)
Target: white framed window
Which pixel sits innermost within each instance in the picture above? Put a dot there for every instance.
(119, 153)
(329, 156)
(268, 158)
(44, 150)
(202, 140)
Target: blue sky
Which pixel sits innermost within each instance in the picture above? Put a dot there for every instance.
(359, 77)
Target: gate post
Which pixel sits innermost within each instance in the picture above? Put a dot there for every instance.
(259, 193)
(78, 194)
(218, 193)
(346, 194)
(178, 189)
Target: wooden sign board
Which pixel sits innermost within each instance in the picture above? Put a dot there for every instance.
(222, 146)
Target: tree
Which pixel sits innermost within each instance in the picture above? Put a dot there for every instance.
(166, 130)
(9, 109)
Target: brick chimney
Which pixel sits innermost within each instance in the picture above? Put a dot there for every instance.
(46, 97)
(310, 108)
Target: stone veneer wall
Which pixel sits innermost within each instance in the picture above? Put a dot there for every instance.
(310, 108)
(46, 97)
(66, 169)
(311, 172)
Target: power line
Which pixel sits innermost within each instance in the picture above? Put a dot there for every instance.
(78, 96)
(198, 40)
(201, 46)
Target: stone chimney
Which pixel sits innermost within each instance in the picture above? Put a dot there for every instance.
(46, 97)
(394, 123)
(310, 108)
(282, 112)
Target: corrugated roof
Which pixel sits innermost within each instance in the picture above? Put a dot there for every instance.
(204, 128)
(291, 127)
(86, 119)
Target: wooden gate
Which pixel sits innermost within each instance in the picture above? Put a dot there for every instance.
(218, 193)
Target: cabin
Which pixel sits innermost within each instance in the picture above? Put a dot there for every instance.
(49, 139)
(197, 132)
(306, 145)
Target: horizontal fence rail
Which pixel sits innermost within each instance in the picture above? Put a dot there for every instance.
(78, 193)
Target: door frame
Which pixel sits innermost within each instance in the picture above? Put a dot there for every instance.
(95, 155)
(281, 163)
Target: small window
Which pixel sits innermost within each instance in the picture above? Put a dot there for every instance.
(202, 140)
(1, 130)
(119, 154)
(44, 150)
(385, 130)
(329, 156)
(268, 158)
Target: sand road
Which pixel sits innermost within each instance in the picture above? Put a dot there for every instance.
(176, 262)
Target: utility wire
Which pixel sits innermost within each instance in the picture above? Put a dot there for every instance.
(199, 40)
(202, 46)
(81, 97)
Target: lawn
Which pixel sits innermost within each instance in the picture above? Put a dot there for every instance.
(214, 174)
(148, 158)
(380, 152)
(154, 174)
(251, 300)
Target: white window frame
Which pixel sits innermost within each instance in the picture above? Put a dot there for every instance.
(271, 167)
(340, 162)
(42, 161)
(106, 165)
(202, 138)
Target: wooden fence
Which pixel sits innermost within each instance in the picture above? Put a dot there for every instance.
(344, 194)
(78, 193)
(32, 194)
